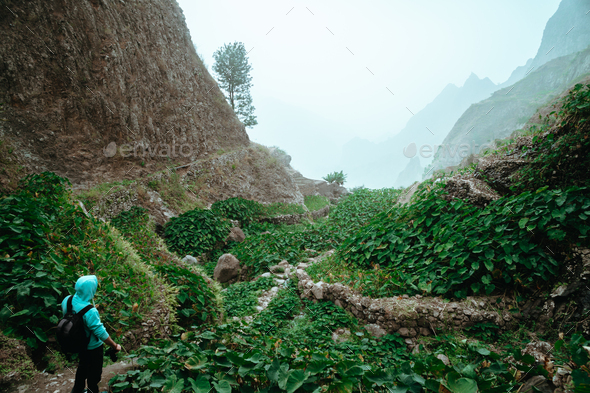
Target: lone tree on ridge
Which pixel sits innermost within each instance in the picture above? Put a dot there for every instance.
(233, 74)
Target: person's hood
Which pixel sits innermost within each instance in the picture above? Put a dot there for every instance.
(86, 287)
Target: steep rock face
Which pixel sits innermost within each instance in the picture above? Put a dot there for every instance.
(78, 76)
(566, 32)
(510, 108)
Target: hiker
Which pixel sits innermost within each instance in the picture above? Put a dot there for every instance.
(90, 366)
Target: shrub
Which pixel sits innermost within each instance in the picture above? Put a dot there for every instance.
(243, 210)
(335, 177)
(196, 232)
(562, 157)
(197, 295)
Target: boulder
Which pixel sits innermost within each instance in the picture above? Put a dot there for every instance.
(318, 290)
(470, 189)
(375, 330)
(236, 235)
(341, 335)
(498, 171)
(539, 382)
(189, 259)
(227, 268)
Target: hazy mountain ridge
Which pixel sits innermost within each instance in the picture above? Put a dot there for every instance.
(510, 108)
(379, 164)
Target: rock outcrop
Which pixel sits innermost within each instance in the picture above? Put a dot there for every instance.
(99, 90)
(470, 189)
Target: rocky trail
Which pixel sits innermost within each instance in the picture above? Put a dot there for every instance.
(63, 382)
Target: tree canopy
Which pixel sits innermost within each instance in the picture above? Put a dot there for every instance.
(233, 75)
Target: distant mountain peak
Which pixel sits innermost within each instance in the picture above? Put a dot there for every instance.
(475, 80)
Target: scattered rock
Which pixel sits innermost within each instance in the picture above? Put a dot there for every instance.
(227, 268)
(341, 335)
(470, 189)
(375, 330)
(539, 382)
(236, 235)
(540, 350)
(444, 359)
(190, 260)
(318, 290)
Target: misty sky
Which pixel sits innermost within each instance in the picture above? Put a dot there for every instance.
(322, 70)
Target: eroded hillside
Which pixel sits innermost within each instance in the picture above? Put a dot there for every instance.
(79, 77)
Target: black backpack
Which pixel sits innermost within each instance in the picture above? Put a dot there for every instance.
(70, 330)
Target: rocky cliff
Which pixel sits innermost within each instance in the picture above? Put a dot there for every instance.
(510, 108)
(562, 59)
(100, 90)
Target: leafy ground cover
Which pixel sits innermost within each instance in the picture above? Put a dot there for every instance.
(196, 232)
(452, 248)
(198, 298)
(241, 298)
(561, 157)
(262, 250)
(289, 347)
(46, 243)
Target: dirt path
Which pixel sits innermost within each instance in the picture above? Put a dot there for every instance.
(64, 382)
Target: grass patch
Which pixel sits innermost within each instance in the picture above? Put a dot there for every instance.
(316, 202)
(280, 209)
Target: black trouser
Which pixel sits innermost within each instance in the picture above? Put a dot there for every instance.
(89, 369)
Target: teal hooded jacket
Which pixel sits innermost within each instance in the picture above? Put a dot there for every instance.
(85, 290)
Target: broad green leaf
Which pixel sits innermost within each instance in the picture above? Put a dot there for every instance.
(457, 384)
(200, 385)
(196, 362)
(295, 380)
(222, 386)
(173, 385)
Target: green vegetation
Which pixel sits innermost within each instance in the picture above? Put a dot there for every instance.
(243, 210)
(233, 74)
(46, 243)
(260, 251)
(315, 202)
(174, 194)
(435, 246)
(453, 248)
(562, 157)
(335, 177)
(198, 298)
(280, 209)
(196, 232)
(241, 298)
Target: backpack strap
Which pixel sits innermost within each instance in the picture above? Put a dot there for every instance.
(84, 310)
(70, 310)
